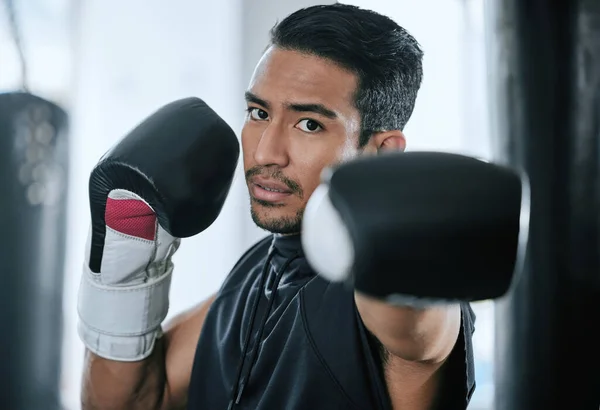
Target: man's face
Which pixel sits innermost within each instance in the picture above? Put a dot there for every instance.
(301, 118)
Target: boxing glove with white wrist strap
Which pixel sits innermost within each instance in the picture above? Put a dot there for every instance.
(166, 180)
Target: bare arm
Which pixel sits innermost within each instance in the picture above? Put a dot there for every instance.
(415, 335)
(159, 382)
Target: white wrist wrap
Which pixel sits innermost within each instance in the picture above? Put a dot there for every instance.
(122, 323)
(122, 306)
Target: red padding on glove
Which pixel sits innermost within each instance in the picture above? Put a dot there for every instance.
(131, 217)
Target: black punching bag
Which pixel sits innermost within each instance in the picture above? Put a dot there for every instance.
(33, 182)
(545, 69)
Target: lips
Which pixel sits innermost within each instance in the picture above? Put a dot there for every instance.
(268, 190)
(271, 185)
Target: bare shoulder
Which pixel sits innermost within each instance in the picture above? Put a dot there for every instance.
(181, 336)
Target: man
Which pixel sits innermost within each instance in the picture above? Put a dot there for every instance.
(335, 82)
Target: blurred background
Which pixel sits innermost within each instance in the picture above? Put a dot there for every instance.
(111, 63)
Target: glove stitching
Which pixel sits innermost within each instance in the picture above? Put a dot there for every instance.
(155, 245)
(124, 235)
(139, 356)
(147, 332)
(131, 289)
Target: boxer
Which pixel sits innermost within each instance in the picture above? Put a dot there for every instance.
(359, 297)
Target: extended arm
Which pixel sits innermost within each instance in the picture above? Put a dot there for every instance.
(413, 334)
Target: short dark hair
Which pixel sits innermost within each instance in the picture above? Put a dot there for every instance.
(386, 59)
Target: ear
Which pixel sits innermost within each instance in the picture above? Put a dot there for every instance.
(387, 141)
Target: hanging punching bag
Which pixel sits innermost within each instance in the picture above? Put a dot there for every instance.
(545, 64)
(33, 182)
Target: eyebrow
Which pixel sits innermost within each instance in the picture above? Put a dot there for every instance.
(316, 108)
(310, 107)
(253, 98)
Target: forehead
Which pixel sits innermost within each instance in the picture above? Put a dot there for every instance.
(284, 75)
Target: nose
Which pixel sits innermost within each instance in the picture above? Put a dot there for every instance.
(272, 147)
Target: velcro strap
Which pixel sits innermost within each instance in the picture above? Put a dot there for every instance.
(124, 311)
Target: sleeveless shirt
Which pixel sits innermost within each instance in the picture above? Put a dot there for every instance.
(279, 337)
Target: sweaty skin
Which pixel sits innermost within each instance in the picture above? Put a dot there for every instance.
(300, 119)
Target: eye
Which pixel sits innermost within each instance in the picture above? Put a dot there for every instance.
(309, 125)
(258, 114)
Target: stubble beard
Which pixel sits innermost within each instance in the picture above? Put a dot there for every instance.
(282, 225)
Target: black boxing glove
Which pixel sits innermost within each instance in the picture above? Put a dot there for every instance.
(166, 180)
(419, 227)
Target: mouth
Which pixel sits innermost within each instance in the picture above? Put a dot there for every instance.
(269, 190)
(266, 188)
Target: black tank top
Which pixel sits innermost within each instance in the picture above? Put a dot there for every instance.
(279, 337)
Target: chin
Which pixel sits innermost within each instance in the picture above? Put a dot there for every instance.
(275, 221)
